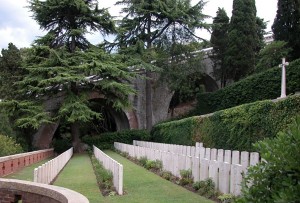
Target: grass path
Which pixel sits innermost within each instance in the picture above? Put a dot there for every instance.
(78, 175)
(27, 172)
(146, 187)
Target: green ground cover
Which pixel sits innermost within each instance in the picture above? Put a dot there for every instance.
(144, 186)
(78, 175)
(27, 172)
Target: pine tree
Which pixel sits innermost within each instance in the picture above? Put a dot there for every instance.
(286, 26)
(147, 22)
(10, 71)
(64, 68)
(219, 43)
(242, 39)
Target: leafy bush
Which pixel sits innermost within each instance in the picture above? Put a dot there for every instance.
(226, 198)
(9, 146)
(104, 177)
(186, 177)
(106, 140)
(156, 165)
(166, 175)
(143, 161)
(265, 85)
(235, 128)
(277, 178)
(175, 132)
(205, 188)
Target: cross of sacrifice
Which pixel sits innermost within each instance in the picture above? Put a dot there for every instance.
(283, 78)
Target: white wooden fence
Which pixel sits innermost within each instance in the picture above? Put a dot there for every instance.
(232, 157)
(227, 176)
(113, 166)
(48, 171)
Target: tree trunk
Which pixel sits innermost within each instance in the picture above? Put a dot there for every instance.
(75, 136)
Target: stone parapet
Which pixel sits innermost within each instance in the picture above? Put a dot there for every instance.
(29, 192)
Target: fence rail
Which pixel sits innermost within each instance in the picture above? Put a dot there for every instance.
(48, 171)
(232, 157)
(226, 176)
(113, 166)
(13, 163)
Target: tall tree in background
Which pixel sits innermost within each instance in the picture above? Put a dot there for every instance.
(147, 21)
(242, 39)
(219, 42)
(63, 67)
(10, 71)
(286, 26)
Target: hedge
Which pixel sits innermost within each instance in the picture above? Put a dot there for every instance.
(262, 86)
(8, 146)
(235, 128)
(106, 140)
(175, 132)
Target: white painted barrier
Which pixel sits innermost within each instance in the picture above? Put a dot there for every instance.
(48, 171)
(226, 176)
(233, 157)
(113, 166)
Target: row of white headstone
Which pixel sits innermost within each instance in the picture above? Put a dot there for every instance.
(227, 177)
(113, 166)
(243, 158)
(47, 172)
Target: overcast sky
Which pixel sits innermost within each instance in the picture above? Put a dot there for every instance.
(17, 26)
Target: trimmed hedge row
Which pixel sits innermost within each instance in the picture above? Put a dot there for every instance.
(106, 140)
(265, 85)
(235, 128)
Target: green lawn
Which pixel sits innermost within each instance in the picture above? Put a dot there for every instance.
(78, 175)
(144, 186)
(140, 185)
(27, 172)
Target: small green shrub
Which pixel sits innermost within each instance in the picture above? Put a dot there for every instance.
(166, 175)
(106, 140)
(226, 198)
(8, 146)
(186, 177)
(143, 161)
(205, 188)
(277, 179)
(104, 177)
(150, 164)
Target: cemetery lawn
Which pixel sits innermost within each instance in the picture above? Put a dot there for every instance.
(140, 185)
(78, 175)
(26, 173)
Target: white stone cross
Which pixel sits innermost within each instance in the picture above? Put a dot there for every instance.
(283, 78)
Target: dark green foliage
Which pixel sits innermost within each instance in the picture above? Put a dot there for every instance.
(6, 127)
(277, 179)
(260, 86)
(205, 188)
(155, 165)
(236, 128)
(62, 145)
(106, 140)
(9, 146)
(219, 43)
(175, 132)
(68, 21)
(286, 26)
(243, 39)
(10, 71)
(271, 55)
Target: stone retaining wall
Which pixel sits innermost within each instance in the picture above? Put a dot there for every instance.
(29, 192)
